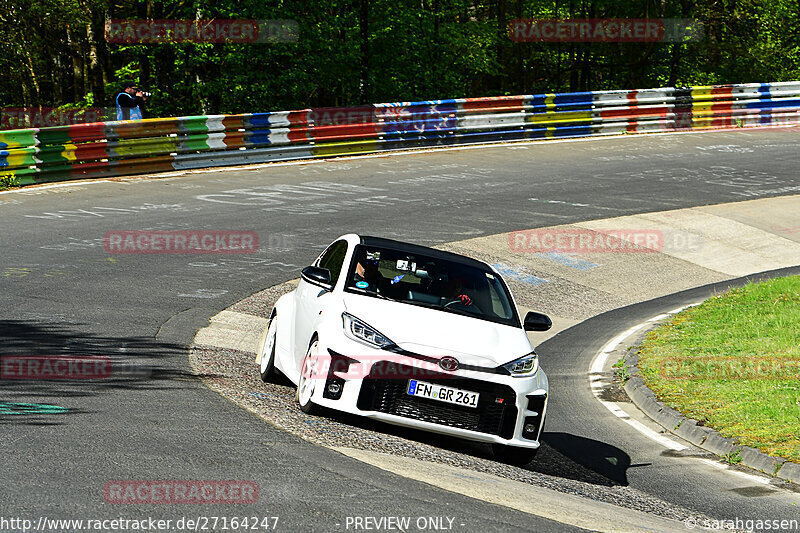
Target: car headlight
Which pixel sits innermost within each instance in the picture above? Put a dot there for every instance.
(359, 330)
(525, 366)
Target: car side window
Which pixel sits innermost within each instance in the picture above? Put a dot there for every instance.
(333, 259)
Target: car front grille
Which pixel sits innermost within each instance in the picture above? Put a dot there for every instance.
(496, 413)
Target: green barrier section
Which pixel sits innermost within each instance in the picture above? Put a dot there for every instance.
(196, 124)
(190, 143)
(19, 158)
(138, 147)
(17, 138)
(343, 148)
(26, 176)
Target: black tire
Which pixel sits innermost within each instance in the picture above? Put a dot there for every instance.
(267, 366)
(513, 455)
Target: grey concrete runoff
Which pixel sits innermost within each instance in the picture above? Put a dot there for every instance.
(539, 501)
(709, 222)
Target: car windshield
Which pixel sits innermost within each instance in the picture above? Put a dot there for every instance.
(430, 282)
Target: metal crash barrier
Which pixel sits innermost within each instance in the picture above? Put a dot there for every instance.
(107, 149)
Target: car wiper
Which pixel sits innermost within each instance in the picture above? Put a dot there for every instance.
(421, 303)
(369, 293)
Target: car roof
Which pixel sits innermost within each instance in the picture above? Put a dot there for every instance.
(380, 242)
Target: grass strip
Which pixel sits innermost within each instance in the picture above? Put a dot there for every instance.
(733, 363)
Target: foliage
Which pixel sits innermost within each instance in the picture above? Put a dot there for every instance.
(8, 181)
(350, 52)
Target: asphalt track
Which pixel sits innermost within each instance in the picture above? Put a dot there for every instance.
(62, 293)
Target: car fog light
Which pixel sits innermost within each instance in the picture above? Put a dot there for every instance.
(333, 388)
(530, 428)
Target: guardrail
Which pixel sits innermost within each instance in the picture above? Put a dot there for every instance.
(106, 149)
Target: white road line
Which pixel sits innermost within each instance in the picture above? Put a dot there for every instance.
(600, 361)
(679, 309)
(658, 437)
(596, 382)
(53, 186)
(745, 475)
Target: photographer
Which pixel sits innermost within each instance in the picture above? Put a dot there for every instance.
(130, 102)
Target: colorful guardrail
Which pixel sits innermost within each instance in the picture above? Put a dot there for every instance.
(106, 149)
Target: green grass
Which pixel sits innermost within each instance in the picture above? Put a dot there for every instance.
(733, 363)
(8, 181)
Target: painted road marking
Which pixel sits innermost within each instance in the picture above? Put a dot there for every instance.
(569, 260)
(510, 272)
(745, 475)
(11, 408)
(596, 382)
(574, 204)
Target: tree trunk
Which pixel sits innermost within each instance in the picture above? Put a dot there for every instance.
(675, 52)
(522, 86)
(105, 56)
(93, 37)
(36, 96)
(77, 67)
(363, 23)
(502, 48)
(673, 64)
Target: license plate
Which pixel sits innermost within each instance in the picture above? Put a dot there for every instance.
(423, 389)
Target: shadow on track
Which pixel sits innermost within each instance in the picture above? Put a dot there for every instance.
(582, 459)
(130, 362)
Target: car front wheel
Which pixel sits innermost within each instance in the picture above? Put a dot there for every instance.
(267, 351)
(308, 377)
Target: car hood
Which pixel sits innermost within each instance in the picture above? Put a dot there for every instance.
(439, 333)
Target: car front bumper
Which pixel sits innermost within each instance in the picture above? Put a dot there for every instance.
(510, 410)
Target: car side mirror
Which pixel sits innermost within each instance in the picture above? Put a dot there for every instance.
(537, 322)
(317, 276)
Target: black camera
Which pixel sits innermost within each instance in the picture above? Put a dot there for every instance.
(146, 94)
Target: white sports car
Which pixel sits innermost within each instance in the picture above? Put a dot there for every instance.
(415, 337)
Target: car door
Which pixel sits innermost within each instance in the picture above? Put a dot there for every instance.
(311, 298)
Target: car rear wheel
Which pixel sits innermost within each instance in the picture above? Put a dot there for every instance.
(307, 381)
(513, 455)
(267, 351)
